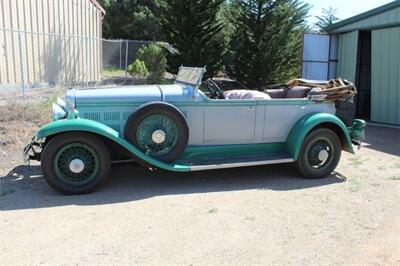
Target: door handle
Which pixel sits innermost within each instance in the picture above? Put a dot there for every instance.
(303, 107)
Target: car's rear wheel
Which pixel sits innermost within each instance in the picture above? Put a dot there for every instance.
(320, 154)
(158, 130)
(75, 163)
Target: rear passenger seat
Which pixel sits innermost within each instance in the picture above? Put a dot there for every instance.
(288, 93)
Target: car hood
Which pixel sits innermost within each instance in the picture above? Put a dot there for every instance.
(129, 94)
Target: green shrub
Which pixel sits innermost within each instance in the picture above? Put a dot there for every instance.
(138, 68)
(154, 57)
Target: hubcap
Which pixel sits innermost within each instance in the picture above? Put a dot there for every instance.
(323, 155)
(158, 136)
(76, 166)
(319, 153)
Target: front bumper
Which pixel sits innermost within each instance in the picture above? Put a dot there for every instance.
(33, 150)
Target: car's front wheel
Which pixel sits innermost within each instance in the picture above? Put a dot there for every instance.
(320, 154)
(75, 163)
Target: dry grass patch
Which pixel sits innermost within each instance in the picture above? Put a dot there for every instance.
(18, 122)
(22, 112)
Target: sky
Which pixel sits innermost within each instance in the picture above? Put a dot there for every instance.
(345, 8)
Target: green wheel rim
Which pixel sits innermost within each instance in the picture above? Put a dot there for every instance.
(148, 126)
(71, 152)
(313, 150)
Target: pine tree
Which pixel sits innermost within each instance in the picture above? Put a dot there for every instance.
(327, 18)
(266, 44)
(193, 28)
(131, 19)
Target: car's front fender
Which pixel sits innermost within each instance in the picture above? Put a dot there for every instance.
(307, 123)
(85, 125)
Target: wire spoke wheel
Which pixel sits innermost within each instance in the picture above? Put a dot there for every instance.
(76, 164)
(159, 130)
(157, 134)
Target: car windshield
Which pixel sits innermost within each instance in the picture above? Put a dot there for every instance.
(190, 75)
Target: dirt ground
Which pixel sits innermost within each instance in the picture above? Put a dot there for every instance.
(258, 215)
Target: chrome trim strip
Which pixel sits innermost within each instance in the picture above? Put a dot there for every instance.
(241, 164)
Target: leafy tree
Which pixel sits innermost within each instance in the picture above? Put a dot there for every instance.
(138, 68)
(131, 19)
(193, 27)
(154, 58)
(327, 18)
(266, 44)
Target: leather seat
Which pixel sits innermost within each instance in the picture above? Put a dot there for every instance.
(288, 93)
(297, 92)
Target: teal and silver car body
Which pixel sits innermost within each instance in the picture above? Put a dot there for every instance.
(222, 133)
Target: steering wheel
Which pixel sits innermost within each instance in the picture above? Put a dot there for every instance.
(215, 91)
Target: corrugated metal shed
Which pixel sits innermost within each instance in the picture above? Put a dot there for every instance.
(381, 17)
(347, 55)
(385, 93)
(79, 20)
(319, 56)
(369, 55)
(315, 56)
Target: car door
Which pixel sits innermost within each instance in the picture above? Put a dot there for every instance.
(230, 122)
(280, 116)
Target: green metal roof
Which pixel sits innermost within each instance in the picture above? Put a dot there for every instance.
(364, 15)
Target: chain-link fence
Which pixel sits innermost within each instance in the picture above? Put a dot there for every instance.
(33, 60)
(117, 55)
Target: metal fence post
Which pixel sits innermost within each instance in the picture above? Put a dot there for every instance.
(21, 62)
(120, 54)
(87, 62)
(126, 59)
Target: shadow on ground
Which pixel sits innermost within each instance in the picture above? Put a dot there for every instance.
(382, 139)
(25, 188)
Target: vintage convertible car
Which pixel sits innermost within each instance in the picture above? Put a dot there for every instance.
(180, 128)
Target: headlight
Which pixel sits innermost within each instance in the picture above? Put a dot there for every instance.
(58, 112)
(62, 104)
(70, 99)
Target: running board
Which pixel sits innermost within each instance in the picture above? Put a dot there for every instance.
(238, 161)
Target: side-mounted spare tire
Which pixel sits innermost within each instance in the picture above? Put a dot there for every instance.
(159, 130)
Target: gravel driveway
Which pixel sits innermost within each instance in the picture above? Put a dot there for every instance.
(258, 215)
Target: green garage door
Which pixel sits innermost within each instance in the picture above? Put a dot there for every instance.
(347, 55)
(385, 76)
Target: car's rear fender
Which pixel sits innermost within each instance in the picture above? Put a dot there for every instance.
(85, 125)
(316, 120)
